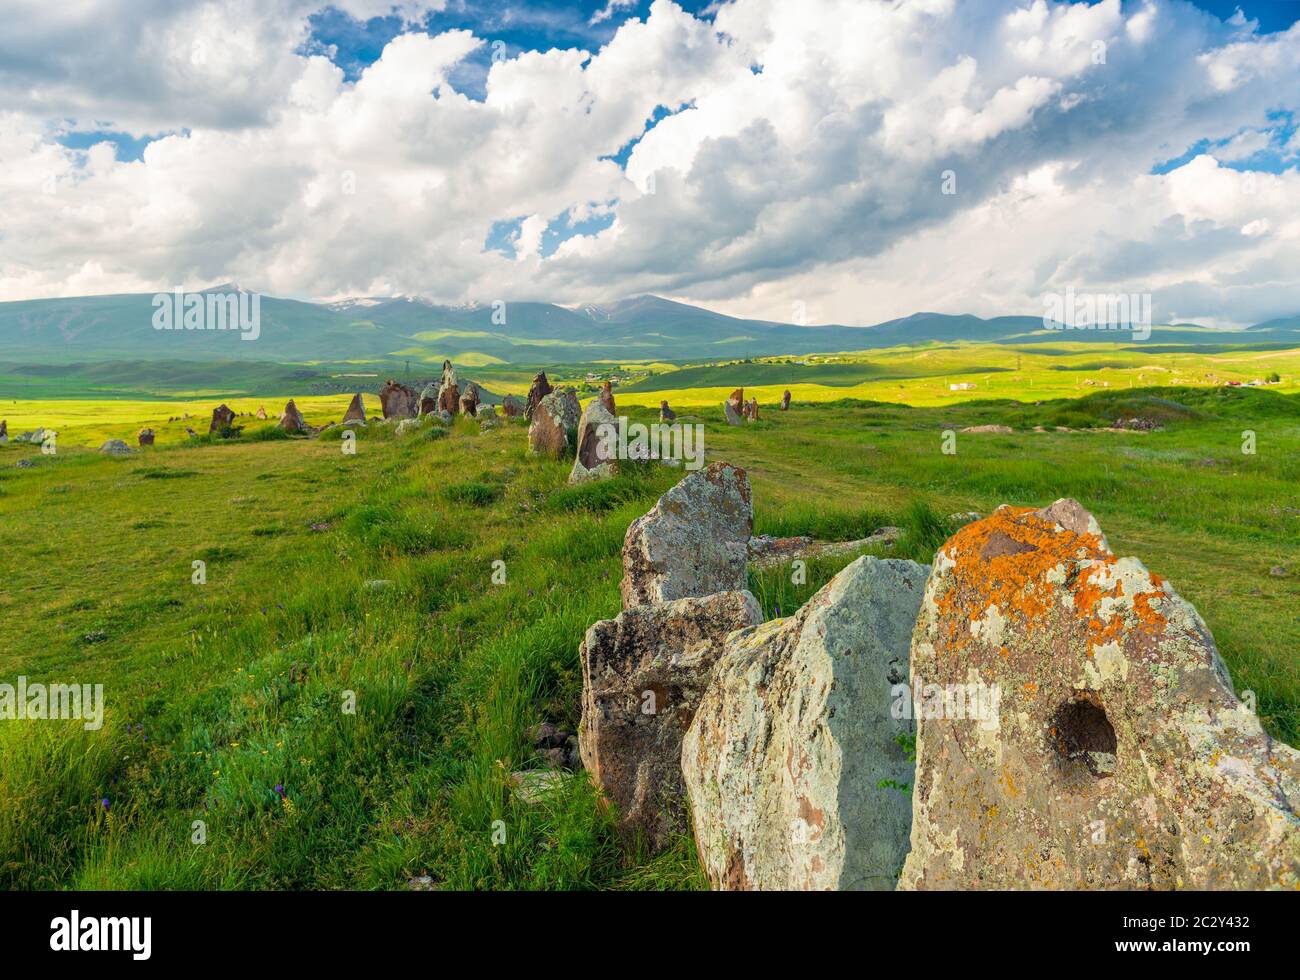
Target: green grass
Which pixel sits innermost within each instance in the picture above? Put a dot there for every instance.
(218, 693)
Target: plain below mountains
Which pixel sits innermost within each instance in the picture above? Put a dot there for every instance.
(648, 328)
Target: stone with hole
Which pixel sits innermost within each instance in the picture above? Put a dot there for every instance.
(1077, 728)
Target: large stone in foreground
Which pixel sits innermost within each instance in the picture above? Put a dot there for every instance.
(1118, 756)
(553, 430)
(694, 541)
(643, 675)
(794, 765)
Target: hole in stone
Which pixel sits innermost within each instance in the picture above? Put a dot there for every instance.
(1084, 736)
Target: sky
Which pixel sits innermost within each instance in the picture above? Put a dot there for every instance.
(826, 161)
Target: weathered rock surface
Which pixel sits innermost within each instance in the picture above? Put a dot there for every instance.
(512, 406)
(145, 437)
(693, 542)
(595, 458)
(407, 425)
(469, 400)
(666, 414)
(643, 676)
(766, 551)
(785, 761)
(398, 401)
(115, 447)
(222, 419)
(750, 410)
(291, 419)
(538, 390)
(261, 412)
(4, 432)
(429, 398)
(553, 430)
(785, 401)
(1119, 756)
(449, 399)
(734, 407)
(356, 410)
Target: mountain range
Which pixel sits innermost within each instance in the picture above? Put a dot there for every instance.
(374, 330)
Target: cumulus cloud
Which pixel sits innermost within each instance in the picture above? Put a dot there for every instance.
(863, 160)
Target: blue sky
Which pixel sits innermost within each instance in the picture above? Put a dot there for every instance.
(661, 162)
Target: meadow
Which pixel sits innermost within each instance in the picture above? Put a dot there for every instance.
(329, 573)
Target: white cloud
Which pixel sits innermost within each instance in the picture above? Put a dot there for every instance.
(806, 164)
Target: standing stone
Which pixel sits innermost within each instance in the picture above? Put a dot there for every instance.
(597, 457)
(512, 406)
(356, 410)
(666, 414)
(469, 400)
(750, 410)
(222, 417)
(693, 542)
(785, 401)
(449, 398)
(795, 764)
(191, 433)
(4, 432)
(398, 401)
(643, 674)
(734, 406)
(115, 447)
(606, 398)
(539, 389)
(553, 430)
(292, 420)
(448, 375)
(1117, 757)
(429, 399)
(261, 412)
(145, 437)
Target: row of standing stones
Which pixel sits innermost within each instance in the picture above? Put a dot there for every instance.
(1117, 755)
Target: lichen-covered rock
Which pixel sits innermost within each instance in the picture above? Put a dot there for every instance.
(553, 430)
(398, 401)
(538, 390)
(408, 425)
(643, 675)
(596, 458)
(115, 447)
(733, 408)
(356, 410)
(693, 542)
(795, 765)
(512, 406)
(1118, 756)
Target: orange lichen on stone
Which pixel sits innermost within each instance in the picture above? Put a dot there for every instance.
(1031, 688)
(1004, 562)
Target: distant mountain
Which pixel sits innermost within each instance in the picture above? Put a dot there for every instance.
(376, 330)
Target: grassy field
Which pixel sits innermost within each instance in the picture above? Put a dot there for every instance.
(225, 701)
